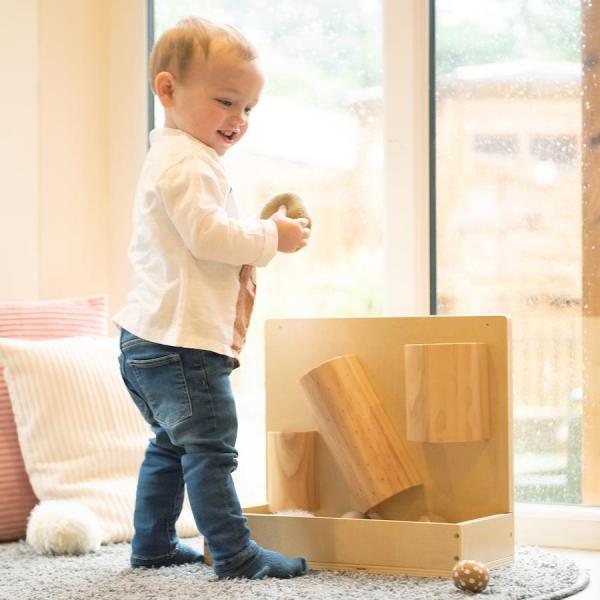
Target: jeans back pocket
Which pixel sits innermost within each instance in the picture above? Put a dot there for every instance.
(161, 380)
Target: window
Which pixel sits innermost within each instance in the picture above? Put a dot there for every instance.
(496, 145)
(512, 234)
(558, 149)
(508, 211)
(316, 131)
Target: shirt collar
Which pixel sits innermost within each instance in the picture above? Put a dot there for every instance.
(161, 132)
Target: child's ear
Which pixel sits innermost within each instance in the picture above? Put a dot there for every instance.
(164, 85)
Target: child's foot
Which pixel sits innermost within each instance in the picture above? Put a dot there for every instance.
(182, 556)
(264, 563)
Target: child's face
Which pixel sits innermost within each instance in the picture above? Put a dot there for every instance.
(214, 102)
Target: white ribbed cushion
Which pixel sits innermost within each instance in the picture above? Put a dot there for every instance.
(81, 436)
(34, 320)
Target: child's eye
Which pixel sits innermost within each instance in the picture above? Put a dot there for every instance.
(224, 102)
(248, 110)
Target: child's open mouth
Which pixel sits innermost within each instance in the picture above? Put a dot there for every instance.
(229, 136)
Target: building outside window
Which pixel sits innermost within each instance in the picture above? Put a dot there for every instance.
(508, 210)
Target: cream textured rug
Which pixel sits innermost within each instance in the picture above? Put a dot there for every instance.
(535, 575)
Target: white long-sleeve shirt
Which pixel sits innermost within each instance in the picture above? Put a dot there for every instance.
(193, 257)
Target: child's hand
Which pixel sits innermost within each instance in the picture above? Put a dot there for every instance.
(293, 233)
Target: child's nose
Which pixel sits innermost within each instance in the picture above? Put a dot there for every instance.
(240, 118)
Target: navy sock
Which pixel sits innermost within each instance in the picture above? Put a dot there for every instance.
(183, 555)
(265, 563)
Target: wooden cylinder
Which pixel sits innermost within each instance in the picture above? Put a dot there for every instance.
(367, 449)
(447, 398)
(291, 475)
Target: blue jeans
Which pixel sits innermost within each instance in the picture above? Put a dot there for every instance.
(185, 395)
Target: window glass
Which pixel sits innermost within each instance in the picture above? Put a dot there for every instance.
(508, 119)
(316, 131)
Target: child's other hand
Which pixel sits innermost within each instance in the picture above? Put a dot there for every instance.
(293, 233)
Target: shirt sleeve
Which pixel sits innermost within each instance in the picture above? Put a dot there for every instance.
(194, 200)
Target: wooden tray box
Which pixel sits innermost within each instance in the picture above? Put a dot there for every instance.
(409, 547)
(469, 483)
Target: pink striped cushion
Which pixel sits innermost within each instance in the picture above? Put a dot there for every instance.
(35, 320)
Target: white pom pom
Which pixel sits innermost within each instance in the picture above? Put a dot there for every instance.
(63, 527)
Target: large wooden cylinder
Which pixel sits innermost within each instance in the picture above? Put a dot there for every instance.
(291, 475)
(447, 397)
(367, 449)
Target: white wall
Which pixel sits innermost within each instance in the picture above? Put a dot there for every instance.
(127, 113)
(74, 139)
(19, 151)
(73, 147)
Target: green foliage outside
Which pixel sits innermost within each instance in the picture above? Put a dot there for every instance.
(545, 30)
(317, 50)
(314, 51)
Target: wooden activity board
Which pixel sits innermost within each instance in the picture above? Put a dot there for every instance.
(451, 426)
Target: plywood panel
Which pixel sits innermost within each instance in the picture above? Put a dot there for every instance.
(461, 481)
(426, 549)
(489, 540)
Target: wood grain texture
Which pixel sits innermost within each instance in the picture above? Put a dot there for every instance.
(590, 252)
(447, 392)
(419, 549)
(460, 481)
(291, 477)
(369, 452)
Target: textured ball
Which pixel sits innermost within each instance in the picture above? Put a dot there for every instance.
(293, 512)
(63, 527)
(432, 519)
(470, 576)
(295, 207)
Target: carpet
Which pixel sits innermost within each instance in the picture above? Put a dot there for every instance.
(105, 575)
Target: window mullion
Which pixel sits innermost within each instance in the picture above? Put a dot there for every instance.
(406, 144)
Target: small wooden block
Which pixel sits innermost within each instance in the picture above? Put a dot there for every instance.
(291, 477)
(447, 395)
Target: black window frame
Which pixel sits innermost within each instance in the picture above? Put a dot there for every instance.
(433, 301)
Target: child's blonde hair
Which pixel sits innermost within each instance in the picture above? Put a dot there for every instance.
(176, 47)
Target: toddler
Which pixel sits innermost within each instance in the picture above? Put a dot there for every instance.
(185, 320)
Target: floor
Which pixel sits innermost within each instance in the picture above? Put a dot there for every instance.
(589, 560)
